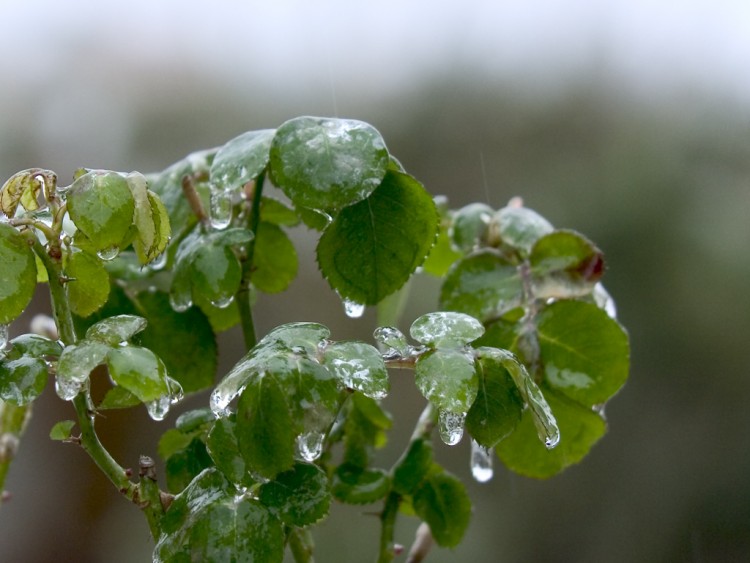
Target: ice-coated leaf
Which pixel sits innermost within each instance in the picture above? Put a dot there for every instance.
(22, 380)
(544, 420)
(33, 345)
(61, 430)
(24, 187)
(88, 288)
(216, 273)
(313, 394)
(442, 502)
(308, 336)
(117, 329)
(497, 409)
(209, 522)
(194, 419)
(484, 285)
(354, 485)
(298, 497)
(266, 431)
(358, 366)
(17, 275)
(448, 379)
(413, 467)
(223, 448)
(585, 354)
(446, 329)
(274, 260)
(470, 226)
(520, 227)
(327, 163)
(101, 205)
(151, 220)
(372, 247)
(580, 429)
(76, 362)
(241, 159)
(565, 264)
(138, 370)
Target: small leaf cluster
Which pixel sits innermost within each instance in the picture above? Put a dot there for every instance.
(145, 270)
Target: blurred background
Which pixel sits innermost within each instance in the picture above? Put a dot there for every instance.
(626, 120)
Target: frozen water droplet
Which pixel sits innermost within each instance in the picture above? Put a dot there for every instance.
(309, 445)
(180, 302)
(353, 309)
(220, 213)
(159, 262)
(159, 408)
(176, 393)
(481, 462)
(604, 300)
(4, 331)
(108, 254)
(393, 339)
(451, 426)
(223, 302)
(66, 388)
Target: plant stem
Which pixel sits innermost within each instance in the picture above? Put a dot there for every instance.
(243, 294)
(142, 495)
(301, 545)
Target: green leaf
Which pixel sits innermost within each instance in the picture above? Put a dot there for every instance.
(117, 329)
(442, 255)
(22, 380)
(358, 366)
(184, 341)
(470, 226)
(75, 364)
(173, 441)
(24, 188)
(273, 211)
(520, 227)
(266, 431)
(565, 264)
(88, 288)
(208, 521)
(327, 163)
(242, 159)
(446, 330)
(118, 398)
(18, 273)
(138, 370)
(484, 285)
(298, 497)
(441, 501)
(192, 420)
(364, 428)
(584, 353)
(223, 448)
(184, 465)
(61, 430)
(413, 467)
(101, 205)
(150, 219)
(580, 429)
(447, 378)
(371, 248)
(274, 259)
(354, 485)
(497, 409)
